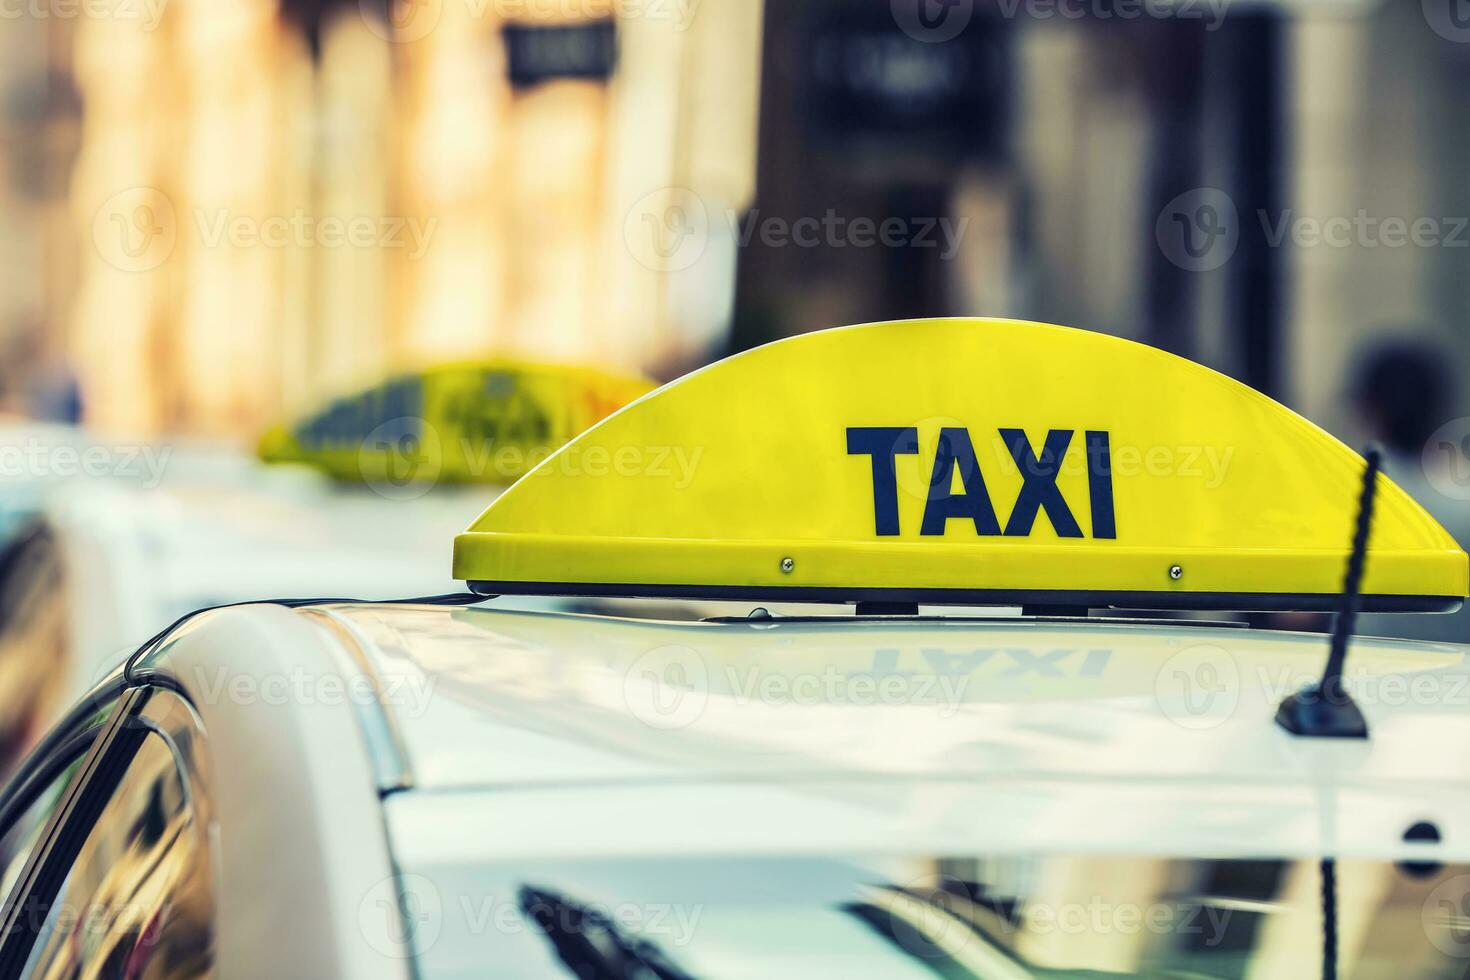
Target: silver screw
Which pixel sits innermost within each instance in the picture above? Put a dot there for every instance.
(787, 564)
(1176, 572)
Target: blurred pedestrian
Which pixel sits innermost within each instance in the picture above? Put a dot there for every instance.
(1403, 394)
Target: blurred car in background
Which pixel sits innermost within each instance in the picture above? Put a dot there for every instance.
(41, 464)
(357, 501)
(101, 566)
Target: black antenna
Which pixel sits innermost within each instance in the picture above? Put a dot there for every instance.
(1327, 710)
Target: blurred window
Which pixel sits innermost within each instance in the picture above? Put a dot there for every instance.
(33, 671)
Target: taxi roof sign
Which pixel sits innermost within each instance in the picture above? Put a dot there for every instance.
(970, 461)
(476, 421)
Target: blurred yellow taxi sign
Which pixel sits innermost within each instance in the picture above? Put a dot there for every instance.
(958, 461)
(489, 421)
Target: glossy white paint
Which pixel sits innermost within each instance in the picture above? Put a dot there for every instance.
(501, 735)
(587, 735)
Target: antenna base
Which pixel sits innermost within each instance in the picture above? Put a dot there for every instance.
(1317, 714)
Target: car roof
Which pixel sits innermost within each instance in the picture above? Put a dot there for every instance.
(778, 695)
(138, 557)
(470, 737)
(605, 735)
(1066, 721)
(270, 532)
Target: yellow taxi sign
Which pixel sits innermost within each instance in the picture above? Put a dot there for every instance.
(958, 460)
(484, 421)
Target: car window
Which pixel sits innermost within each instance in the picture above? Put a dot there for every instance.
(956, 917)
(20, 839)
(39, 786)
(138, 900)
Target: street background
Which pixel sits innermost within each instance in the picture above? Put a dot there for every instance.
(218, 214)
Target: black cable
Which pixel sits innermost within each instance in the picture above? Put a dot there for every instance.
(1329, 919)
(1352, 598)
(1326, 709)
(1331, 688)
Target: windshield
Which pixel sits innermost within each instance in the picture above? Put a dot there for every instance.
(951, 917)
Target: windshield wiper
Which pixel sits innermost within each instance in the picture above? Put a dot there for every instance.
(590, 944)
(941, 931)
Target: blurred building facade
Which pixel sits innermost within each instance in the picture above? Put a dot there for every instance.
(259, 206)
(223, 211)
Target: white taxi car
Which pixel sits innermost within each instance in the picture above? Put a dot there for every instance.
(449, 789)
